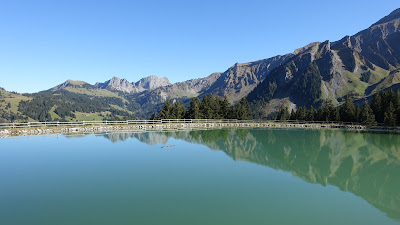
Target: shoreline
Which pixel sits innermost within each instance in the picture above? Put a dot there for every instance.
(168, 126)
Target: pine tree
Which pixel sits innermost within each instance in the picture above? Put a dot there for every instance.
(178, 111)
(387, 97)
(389, 116)
(283, 114)
(216, 107)
(205, 107)
(243, 110)
(367, 115)
(301, 113)
(225, 109)
(166, 111)
(336, 116)
(329, 112)
(320, 114)
(358, 113)
(397, 105)
(347, 111)
(376, 106)
(194, 109)
(311, 114)
(292, 115)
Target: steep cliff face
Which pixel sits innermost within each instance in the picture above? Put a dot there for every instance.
(355, 65)
(151, 82)
(380, 44)
(240, 79)
(147, 83)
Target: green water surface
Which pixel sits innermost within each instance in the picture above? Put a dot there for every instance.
(243, 176)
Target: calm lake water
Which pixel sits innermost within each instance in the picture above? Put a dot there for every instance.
(244, 176)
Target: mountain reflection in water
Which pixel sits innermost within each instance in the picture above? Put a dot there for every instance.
(365, 164)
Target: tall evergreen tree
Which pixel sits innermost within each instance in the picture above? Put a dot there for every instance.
(205, 107)
(292, 115)
(387, 97)
(243, 110)
(283, 114)
(329, 112)
(397, 105)
(226, 111)
(216, 107)
(376, 106)
(358, 114)
(336, 116)
(367, 115)
(348, 111)
(178, 111)
(166, 111)
(311, 114)
(320, 114)
(194, 109)
(389, 116)
(301, 113)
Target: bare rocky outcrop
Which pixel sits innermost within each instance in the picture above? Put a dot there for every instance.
(147, 83)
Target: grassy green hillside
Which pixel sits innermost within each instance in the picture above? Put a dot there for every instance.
(9, 102)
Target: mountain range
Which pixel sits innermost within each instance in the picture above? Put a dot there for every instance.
(359, 65)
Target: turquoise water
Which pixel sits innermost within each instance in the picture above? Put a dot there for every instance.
(245, 176)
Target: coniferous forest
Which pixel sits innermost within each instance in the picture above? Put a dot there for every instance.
(383, 109)
(210, 107)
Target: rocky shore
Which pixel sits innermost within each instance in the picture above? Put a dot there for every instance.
(104, 128)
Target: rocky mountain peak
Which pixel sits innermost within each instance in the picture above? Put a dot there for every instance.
(115, 83)
(392, 16)
(147, 83)
(305, 48)
(152, 82)
(357, 65)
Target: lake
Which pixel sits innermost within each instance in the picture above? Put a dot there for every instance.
(221, 176)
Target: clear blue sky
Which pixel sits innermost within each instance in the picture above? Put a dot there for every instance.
(44, 43)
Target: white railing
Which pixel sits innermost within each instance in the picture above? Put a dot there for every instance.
(105, 122)
(165, 121)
